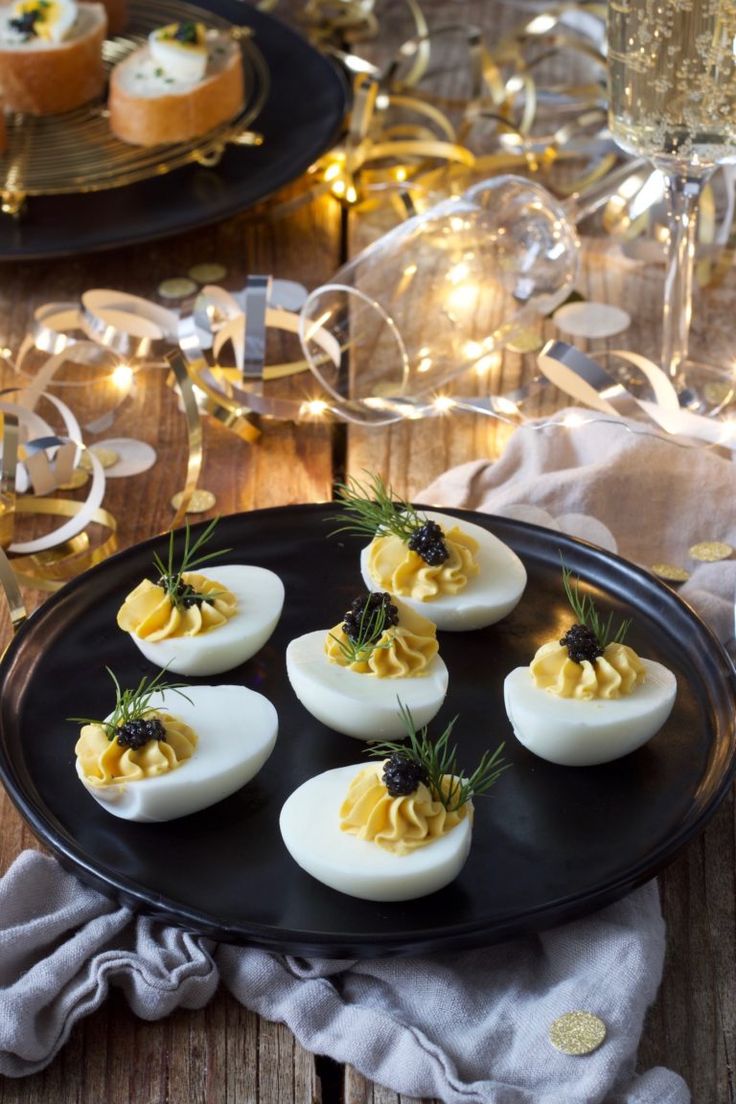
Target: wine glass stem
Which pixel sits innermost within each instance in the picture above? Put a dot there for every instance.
(682, 194)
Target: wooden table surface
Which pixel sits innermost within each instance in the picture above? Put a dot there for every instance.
(224, 1054)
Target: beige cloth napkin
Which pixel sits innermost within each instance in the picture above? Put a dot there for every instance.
(639, 494)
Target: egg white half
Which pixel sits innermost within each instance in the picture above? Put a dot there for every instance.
(488, 596)
(360, 705)
(260, 597)
(236, 731)
(310, 827)
(585, 733)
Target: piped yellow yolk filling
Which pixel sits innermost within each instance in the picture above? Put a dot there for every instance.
(399, 570)
(613, 674)
(151, 615)
(190, 37)
(105, 762)
(398, 824)
(402, 651)
(47, 15)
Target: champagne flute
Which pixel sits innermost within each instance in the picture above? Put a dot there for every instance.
(672, 97)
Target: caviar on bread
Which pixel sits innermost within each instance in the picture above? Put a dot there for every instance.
(185, 81)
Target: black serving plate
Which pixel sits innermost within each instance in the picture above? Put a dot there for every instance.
(301, 118)
(550, 843)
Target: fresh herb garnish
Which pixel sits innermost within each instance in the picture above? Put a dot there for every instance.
(181, 594)
(370, 509)
(437, 758)
(583, 606)
(363, 632)
(187, 33)
(132, 705)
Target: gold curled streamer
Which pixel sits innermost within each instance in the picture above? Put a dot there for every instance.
(41, 574)
(8, 464)
(194, 433)
(351, 173)
(9, 583)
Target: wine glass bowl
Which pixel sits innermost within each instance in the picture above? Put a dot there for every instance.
(672, 98)
(490, 261)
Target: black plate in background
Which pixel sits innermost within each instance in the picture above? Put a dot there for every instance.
(549, 844)
(301, 119)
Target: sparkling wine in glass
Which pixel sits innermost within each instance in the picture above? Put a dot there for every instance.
(672, 98)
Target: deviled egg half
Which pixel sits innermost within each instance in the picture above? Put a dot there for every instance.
(196, 621)
(164, 753)
(349, 677)
(454, 572)
(588, 698)
(391, 830)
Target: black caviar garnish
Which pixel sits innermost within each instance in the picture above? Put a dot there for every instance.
(186, 32)
(428, 541)
(401, 775)
(581, 643)
(369, 616)
(135, 734)
(25, 24)
(183, 595)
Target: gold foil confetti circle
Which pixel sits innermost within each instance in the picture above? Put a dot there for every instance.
(716, 394)
(577, 1033)
(591, 320)
(207, 273)
(79, 477)
(526, 341)
(107, 458)
(177, 288)
(711, 551)
(671, 572)
(199, 503)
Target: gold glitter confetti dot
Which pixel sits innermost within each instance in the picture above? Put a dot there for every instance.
(711, 551)
(208, 273)
(200, 502)
(177, 288)
(78, 479)
(716, 394)
(671, 573)
(577, 1033)
(107, 458)
(526, 341)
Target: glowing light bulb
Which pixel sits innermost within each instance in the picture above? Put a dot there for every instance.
(122, 376)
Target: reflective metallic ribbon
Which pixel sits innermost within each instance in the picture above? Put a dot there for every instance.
(380, 156)
(194, 435)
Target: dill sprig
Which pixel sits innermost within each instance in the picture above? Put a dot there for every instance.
(439, 759)
(371, 509)
(370, 630)
(583, 606)
(132, 705)
(170, 577)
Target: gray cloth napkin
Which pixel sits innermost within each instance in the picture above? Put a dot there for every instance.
(470, 1027)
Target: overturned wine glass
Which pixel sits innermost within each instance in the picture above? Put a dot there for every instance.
(438, 295)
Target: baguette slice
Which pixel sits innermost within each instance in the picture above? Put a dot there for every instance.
(45, 78)
(149, 107)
